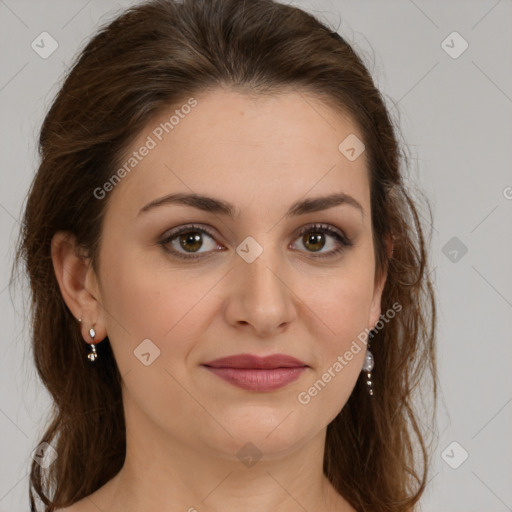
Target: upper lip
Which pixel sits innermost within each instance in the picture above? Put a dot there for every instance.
(253, 361)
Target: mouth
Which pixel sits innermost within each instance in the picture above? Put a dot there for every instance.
(256, 373)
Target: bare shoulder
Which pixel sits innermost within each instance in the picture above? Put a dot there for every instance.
(83, 505)
(100, 499)
(94, 502)
(72, 508)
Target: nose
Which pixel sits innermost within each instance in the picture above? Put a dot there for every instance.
(261, 296)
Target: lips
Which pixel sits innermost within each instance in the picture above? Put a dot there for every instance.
(256, 373)
(256, 362)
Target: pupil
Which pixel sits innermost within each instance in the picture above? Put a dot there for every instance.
(190, 239)
(315, 239)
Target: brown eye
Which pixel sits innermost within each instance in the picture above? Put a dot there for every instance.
(189, 239)
(315, 242)
(187, 242)
(316, 237)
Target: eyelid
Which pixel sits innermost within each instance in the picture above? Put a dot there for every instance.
(344, 241)
(328, 228)
(168, 236)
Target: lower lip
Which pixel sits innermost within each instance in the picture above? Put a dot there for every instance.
(255, 379)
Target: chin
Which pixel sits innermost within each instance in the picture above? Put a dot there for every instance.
(255, 434)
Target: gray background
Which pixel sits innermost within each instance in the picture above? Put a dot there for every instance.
(456, 117)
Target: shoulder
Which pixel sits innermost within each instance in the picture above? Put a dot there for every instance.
(94, 502)
(83, 505)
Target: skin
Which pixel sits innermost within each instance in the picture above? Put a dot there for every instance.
(184, 424)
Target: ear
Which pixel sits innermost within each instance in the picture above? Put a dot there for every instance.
(380, 281)
(78, 284)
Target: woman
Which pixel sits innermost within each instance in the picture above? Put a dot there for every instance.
(217, 227)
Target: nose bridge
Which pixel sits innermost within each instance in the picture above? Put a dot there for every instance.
(263, 295)
(261, 261)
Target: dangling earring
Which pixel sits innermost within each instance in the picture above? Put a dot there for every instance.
(368, 366)
(93, 355)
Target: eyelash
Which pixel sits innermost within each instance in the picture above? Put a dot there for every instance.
(316, 228)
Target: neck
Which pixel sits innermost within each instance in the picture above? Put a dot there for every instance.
(163, 473)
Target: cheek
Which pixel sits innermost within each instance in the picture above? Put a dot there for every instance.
(143, 304)
(344, 309)
(344, 304)
(144, 300)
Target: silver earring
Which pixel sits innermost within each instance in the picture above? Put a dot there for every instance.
(93, 355)
(368, 366)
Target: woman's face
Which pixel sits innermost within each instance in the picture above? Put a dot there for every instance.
(252, 283)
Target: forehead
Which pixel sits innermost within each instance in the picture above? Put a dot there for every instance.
(237, 146)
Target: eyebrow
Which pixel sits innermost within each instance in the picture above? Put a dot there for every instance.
(220, 207)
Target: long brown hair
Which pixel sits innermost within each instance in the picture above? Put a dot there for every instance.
(154, 55)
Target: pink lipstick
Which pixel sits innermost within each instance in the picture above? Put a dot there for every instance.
(256, 373)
